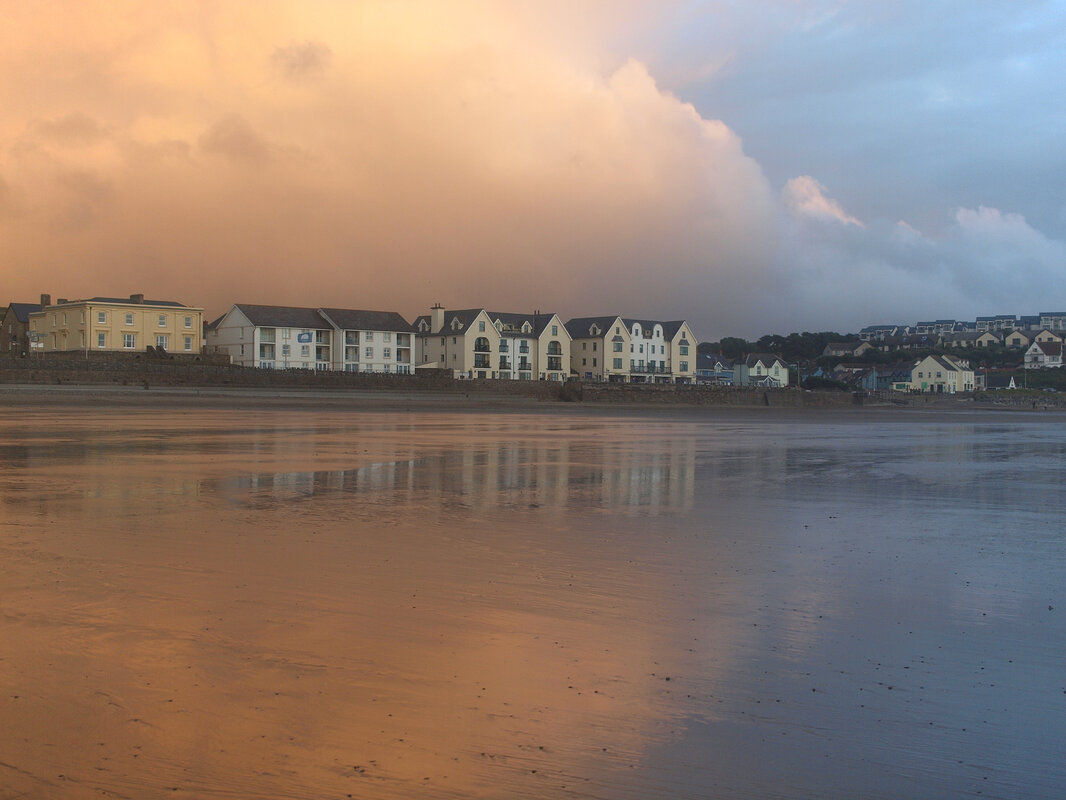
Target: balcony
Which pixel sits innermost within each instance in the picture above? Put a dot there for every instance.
(481, 345)
(505, 364)
(648, 369)
(555, 349)
(481, 362)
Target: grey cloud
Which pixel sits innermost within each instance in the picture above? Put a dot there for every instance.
(233, 138)
(299, 62)
(71, 130)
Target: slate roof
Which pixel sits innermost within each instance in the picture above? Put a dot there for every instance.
(282, 316)
(578, 327)
(537, 321)
(670, 329)
(768, 359)
(125, 301)
(23, 311)
(1050, 348)
(351, 319)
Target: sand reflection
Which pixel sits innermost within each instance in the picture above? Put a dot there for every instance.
(200, 611)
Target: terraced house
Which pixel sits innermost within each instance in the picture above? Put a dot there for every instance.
(476, 343)
(289, 337)
(117, 324)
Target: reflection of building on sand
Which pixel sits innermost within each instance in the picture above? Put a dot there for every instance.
(513, 474)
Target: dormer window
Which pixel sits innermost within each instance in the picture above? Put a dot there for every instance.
(594, 330)
(527, 328)
(456, 324)
(499, 325)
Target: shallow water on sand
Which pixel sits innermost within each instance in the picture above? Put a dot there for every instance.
(290, 604)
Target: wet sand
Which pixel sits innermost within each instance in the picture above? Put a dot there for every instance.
(292, 599)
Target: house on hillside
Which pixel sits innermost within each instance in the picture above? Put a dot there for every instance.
(1017, 339)
(942, 374)
(1043, 355)
(843, 349)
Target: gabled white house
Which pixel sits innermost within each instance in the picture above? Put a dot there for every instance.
(661, 352)
(464, 343)
(287, 337)
(1043, 355)
(761, 369)
(942, 375)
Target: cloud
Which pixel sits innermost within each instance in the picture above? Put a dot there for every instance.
(472, 153)
(298, 62)
(806, 197)
(70, 130)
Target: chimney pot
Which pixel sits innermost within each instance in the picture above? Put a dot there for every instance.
(46, 300)
(137, 298)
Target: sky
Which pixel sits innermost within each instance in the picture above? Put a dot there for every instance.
(752, 166)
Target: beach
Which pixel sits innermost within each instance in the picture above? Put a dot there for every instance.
(237, 594)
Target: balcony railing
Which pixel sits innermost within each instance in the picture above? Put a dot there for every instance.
(649, 369)
(505, 364)
(481, 362)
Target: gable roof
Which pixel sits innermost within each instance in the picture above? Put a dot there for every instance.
(351, 319)
(282, 316)
(768, 359)
(538, 322)
(22, 311)
(578, 327)
(1049, 348)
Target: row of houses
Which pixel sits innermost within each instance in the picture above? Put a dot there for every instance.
(466, 343)
(755, 369)
(1042, 350)
(1011, 339)
(1049, 320)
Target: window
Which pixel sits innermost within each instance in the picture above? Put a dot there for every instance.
(582, 362)
(593, 362)
(101, 340)
(101, 317)
(188, 322)
(481, 327)
(369, 352)
(129, 340)
(368, 336)
(188, 343)
(555, 330)
(286, 349)
(162, 340)
(386, 352)
(594, 346)
(584, 345)
(286, 333)
(305, 351)
(162, 320)
(683, 349)
(386, 337)
(618, 347)
(618, 363)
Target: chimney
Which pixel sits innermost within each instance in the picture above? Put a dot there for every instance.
(46, 300)
(437, 318)
(137, 298)
(61, 301)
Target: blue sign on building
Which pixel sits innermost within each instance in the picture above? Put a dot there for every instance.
(303, 338)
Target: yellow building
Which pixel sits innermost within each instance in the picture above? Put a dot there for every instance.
(110, 324)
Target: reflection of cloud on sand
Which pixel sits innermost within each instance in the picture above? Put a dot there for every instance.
(451, 617)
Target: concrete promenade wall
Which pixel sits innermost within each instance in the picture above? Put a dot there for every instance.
(143, 370)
